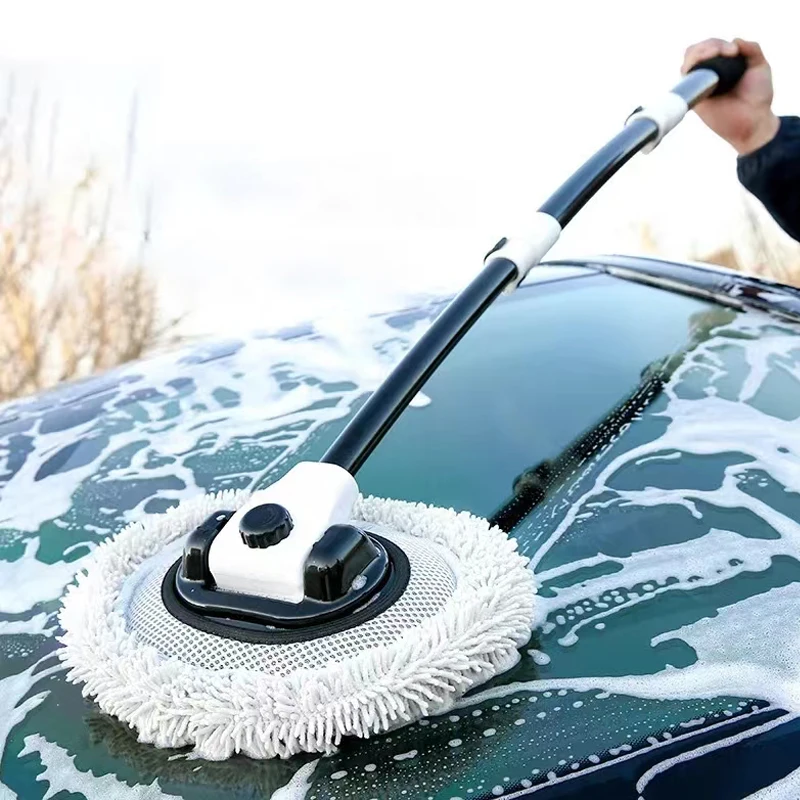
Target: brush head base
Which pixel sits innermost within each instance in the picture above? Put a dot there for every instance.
(264, 620)
(345, 571)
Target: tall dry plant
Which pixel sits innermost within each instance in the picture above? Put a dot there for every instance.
(70, 303)
(767, 252)
(762, 248)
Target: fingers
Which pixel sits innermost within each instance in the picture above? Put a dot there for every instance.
(708, 49)
(751, 51)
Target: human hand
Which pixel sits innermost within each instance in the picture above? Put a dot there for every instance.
(743, 116)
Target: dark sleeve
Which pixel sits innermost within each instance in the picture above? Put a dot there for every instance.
(772, 174)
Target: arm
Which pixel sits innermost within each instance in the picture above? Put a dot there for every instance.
(768, 146)
(772, 174)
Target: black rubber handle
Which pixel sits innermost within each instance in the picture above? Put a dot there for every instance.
(729, 70)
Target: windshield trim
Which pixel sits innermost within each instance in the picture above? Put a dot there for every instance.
(723, 286)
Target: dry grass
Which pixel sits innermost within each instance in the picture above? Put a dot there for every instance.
(767, 252)
(761, 247)
(70, 303)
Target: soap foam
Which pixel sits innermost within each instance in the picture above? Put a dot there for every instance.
(62, 775)
(28, 581)
(714, 423)
(285, 390)
(702, 426)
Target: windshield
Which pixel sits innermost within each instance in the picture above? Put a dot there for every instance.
(640, 445)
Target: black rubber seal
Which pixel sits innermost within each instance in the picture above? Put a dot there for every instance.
(389, 593)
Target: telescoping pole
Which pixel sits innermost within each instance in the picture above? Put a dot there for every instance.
(510, 260)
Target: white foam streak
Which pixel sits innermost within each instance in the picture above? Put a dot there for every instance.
(298, 786)
(13, 709)
(28, 581)
(709, 426)
(18, 509)
(34, 626)
(769, 617)
(695, 682)
(668, 763)
(360, 352)
(707, 557)
(732, 659)
(63, 776)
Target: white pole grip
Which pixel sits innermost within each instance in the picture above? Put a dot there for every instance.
(667, 111)
(527, 251)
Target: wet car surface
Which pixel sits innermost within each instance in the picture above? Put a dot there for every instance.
(640, 444)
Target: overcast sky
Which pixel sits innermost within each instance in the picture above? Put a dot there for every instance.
(307, 159)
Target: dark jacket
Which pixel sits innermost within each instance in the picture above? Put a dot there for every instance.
(772, 174)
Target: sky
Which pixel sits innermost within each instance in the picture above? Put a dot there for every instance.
(308, 160)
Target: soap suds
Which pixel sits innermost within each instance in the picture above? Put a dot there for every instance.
(354, 356)
(35, 626)
(572, 610)
(719, 744)
(299, 785)
(539, 657)
(62, 775)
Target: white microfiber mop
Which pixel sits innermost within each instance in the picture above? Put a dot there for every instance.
(467, 607)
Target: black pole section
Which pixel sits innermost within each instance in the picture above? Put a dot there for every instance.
(711, 77)
(385, 405)
(583, 184)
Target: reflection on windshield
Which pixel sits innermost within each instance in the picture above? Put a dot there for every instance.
(534, 484)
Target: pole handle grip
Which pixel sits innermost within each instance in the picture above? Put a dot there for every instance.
(728, 69)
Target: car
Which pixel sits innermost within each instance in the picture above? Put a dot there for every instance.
(632, 422)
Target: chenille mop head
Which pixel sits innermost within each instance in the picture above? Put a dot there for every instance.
(235, 623)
